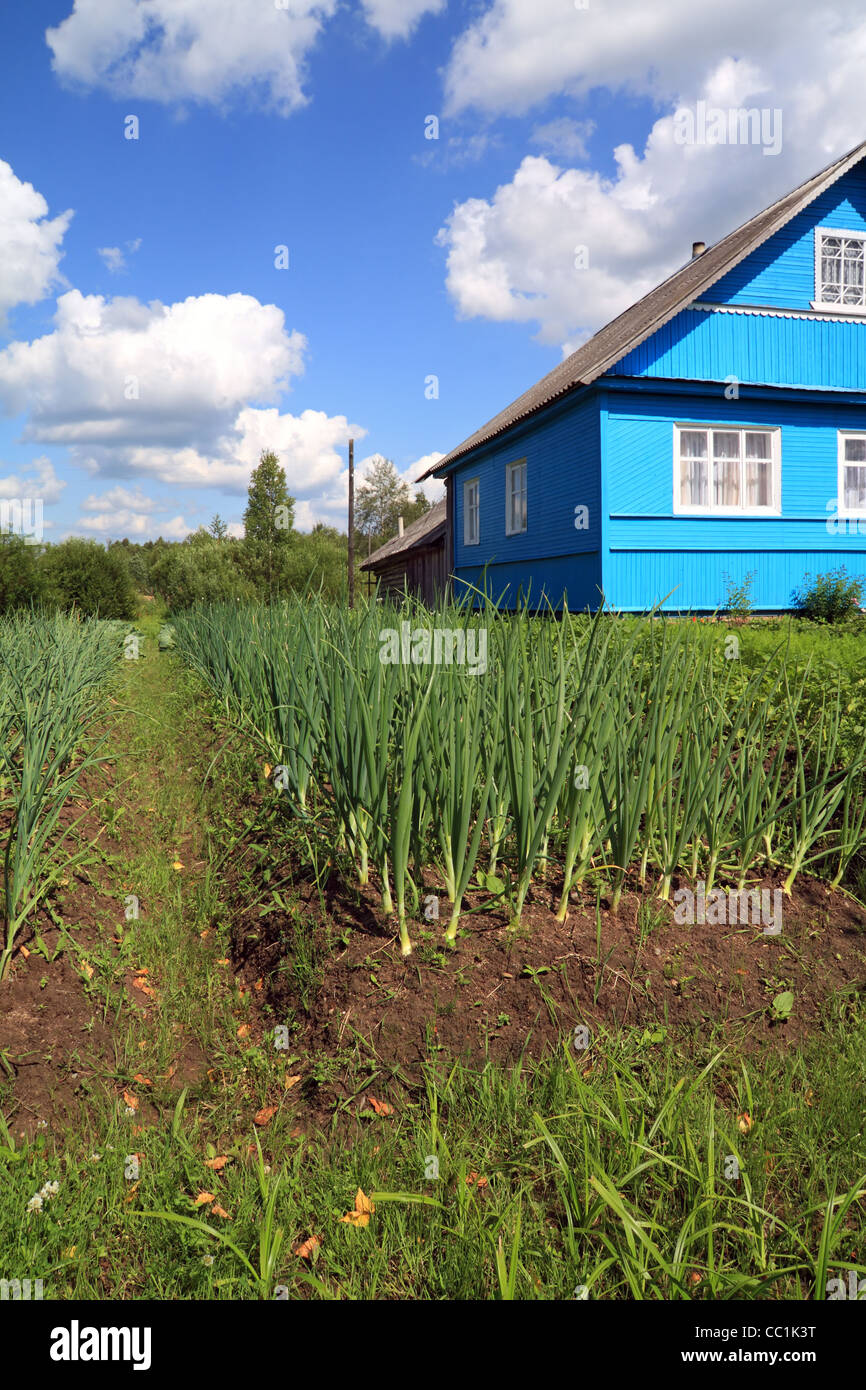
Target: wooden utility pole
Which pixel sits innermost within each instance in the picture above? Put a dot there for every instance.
(351, 523)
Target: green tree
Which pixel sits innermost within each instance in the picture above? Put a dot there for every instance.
(218, 528)
(318, 561)
(382, 499)
(268, 527)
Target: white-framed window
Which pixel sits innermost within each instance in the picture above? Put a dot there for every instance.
(852, 473)
(515, 498)
(724, 470)
(471, 512)
(840, 270)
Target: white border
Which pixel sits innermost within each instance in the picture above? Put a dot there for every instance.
(468, 482)
(841, 465)
(854, 311)
(521, 531)
(775, 431)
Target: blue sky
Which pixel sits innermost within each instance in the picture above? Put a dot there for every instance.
(150, 348)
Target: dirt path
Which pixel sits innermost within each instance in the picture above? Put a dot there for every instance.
(121, 977)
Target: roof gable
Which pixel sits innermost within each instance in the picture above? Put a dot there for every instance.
(635, 324)
(780, 273)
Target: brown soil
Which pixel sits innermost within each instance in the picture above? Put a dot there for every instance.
(51, 1030)
(507, 994)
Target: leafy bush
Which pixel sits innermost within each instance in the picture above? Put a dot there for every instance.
(738, 597)
(829, 598)
(22, 580)
(200, 569)
(83, 575)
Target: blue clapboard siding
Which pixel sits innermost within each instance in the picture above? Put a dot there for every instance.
(782, 271)
(561, 450)
(638, 580)
(649, 551)
(701, 345)
(571, 579)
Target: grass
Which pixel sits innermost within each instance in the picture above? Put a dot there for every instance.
(621, 1182)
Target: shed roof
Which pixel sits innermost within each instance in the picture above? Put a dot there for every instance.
(424, 531)
(630, 328)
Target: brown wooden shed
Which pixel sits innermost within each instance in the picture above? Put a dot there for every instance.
(417, 560)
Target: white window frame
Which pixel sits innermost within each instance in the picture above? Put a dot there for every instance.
(843, 310)
(473, 509)
(775, 432)
(511, 530)
(842, 510)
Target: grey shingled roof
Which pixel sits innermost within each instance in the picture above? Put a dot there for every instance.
(635, 324)
(419, 532)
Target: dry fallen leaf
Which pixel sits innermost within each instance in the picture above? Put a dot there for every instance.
(259, 985)
(381, 1107)
(217, 1164)
(24, 951)
(267, 769)
(291, 1081)
(177, 866)
(305, 1250)
(244, 1030)
(744, 1122)
(218, 1211)
(88, 969)
(131, 1100)
(224, 961)
(142, 1080)
(473, 1179)
(205, 934)
(204, 1197)
(265, 1115)
(363, 1210)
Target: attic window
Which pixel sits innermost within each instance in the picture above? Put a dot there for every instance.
(840, 271)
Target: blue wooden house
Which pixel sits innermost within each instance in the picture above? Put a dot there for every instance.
(714, 430)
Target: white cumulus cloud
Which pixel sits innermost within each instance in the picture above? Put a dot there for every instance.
(395, 19)
(567, 249)
(182, 50)
(37, 479)
(29, 242)
(116, 371)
